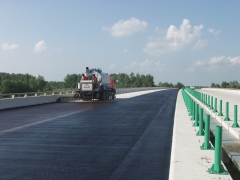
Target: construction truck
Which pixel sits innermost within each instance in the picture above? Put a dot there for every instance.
(96, 85)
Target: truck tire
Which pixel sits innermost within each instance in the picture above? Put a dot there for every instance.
(76, 95)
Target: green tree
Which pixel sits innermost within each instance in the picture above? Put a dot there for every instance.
(48, 87)
(218, 86)
(149, 81)
(213, 85)
(40, 83)
(166, 84)
(131, 80)
(224, 84)
(71, 80)
(233, 84)
(179, 85)
(160, 84)
(7, 86)
(138, 82)
(171, 85)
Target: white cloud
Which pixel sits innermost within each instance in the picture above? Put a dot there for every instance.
(199, 63)
(156, 29)
(216, 60)
(214, 31)
(132, 65)
(125, 50)
(40, 46)
(126, 28)
(7, 46)
(234, 60)
(195, 65)
(174, 40)
(112, 66)
(200, 44)
(145, 66)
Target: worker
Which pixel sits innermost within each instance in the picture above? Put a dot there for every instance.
(84, 77)
(95, 81)
(94, 78)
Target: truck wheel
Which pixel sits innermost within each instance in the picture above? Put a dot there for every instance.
(104, 96)
(76, 95)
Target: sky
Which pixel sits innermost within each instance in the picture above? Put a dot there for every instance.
(192, 42)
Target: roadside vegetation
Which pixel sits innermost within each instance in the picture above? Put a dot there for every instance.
(170, 85)
(225, 84)
(20, 83)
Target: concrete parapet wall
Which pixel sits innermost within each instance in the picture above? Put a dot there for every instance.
(26, 101)
(223, 89)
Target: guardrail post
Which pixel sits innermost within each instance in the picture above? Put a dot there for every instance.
(217, 167)
(190, 106)
(220, 109)
(208, 100)
(227, 111)
(206, 145)
(235, 124)
(215, 105)
(189, 103)
(13, 96)
(193, 111)
(200, 131)
(211, 102)
(196, 116)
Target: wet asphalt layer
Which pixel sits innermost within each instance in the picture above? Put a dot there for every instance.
(120, 139)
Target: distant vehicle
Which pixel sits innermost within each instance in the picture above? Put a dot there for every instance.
(192, 87)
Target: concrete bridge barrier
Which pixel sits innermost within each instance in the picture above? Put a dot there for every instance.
(27, 100)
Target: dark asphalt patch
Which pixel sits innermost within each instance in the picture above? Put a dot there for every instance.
(127, 139)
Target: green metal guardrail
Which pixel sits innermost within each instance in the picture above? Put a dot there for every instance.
(197, 115)
(209, 100)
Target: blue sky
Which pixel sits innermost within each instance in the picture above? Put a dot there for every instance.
(193, 42)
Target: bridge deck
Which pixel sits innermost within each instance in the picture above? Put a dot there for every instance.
(121, 139)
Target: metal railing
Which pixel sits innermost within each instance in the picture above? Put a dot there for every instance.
(34, 94)
(46, 93)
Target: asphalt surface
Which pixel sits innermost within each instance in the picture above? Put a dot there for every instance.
(121, 139)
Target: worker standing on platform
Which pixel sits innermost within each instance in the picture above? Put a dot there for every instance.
(84, 77)
(95, 81)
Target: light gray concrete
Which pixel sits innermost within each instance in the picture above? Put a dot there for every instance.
(188, 161)
(231, 143)
(231, 96)
(26, 101)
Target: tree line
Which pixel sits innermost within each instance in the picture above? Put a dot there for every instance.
(20, 83)
(225, 84)
(178, 85)
(132, 80)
